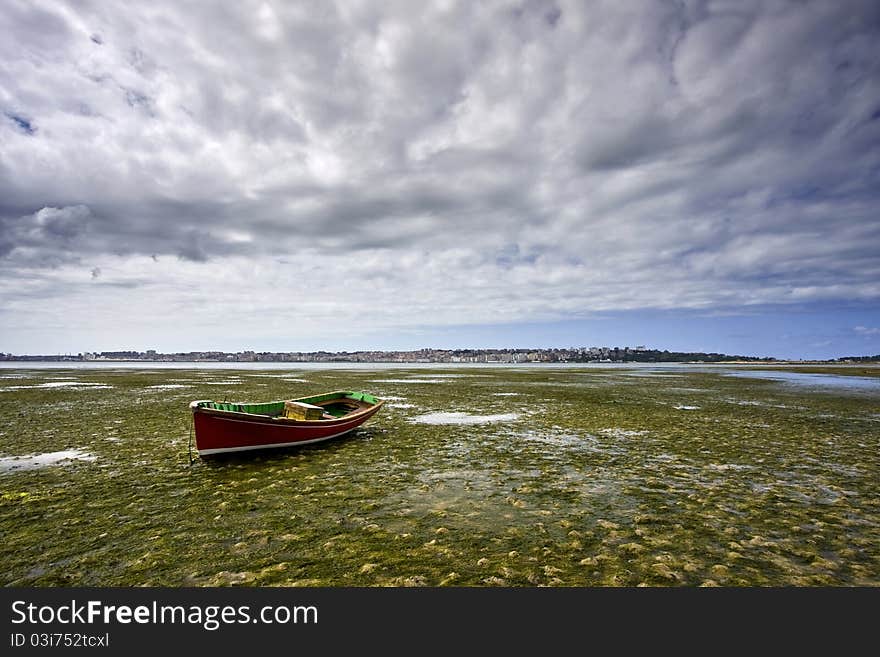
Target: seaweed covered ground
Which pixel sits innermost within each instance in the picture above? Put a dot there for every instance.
(469, 476)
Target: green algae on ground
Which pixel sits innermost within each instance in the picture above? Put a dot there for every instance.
(594, 477)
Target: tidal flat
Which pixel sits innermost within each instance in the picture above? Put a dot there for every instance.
(489, 476)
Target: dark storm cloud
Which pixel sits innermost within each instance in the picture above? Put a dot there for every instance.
(692, 154)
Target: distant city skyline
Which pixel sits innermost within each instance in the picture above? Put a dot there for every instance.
(690, 176)
(582, 354)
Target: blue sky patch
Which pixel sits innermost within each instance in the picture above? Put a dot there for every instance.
(21, 123)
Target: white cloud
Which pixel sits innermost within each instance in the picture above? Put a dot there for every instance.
(450, 163)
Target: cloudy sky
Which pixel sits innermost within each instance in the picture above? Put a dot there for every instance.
(315, 175)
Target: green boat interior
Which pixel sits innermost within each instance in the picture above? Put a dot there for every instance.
(334, 404)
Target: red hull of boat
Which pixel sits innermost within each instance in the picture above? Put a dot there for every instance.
(216, 433)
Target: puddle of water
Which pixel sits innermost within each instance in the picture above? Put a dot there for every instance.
(62, 384)
(449, 376)
(462, 418)
(685, 407)
(724, 467)
(560, 438)
(168, 386)
(614, 432)
(34, 461)
(407, 381)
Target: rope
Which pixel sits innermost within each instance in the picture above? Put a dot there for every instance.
(192, 422)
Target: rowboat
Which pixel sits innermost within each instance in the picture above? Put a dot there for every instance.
(237, 427)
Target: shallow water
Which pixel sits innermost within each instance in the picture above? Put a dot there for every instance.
(56, 384)
(584, 477)
(33, 461)
(814, 380)
(455, 417)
